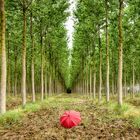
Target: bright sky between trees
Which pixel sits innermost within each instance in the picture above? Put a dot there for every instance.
(70, 23)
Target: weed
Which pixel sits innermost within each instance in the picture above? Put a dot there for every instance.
(136, 122)
(11, 117)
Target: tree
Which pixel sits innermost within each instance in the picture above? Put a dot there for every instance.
(100, 67)
(3, 59)
(107, 53)
(25, 5)
(32, 65)
(120, 52)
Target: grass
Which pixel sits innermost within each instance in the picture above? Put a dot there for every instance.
(136, 122)
(11, 117)
(126, 111)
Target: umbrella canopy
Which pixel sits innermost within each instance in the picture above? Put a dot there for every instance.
(70, 119)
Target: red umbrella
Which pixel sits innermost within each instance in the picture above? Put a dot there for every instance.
(70, 119)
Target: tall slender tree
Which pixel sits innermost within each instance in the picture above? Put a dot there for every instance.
(100, 66)
(3, 59)
(25, 5)
(32, 65)
(120, 66)
(107, 53)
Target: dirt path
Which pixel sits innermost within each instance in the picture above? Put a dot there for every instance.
(44, 125)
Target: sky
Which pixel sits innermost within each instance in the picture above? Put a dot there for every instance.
(70, 23)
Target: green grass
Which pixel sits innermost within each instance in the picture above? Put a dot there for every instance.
(121, 109)
(126, 111)
(11, 117)
(32, 107)
(136, 121)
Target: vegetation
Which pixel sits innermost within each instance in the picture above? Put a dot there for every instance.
(104, 58)
(37, 67)
(98, 120)
(37, 53)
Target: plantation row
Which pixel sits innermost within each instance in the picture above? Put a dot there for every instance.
(35, 46)
(106, 50)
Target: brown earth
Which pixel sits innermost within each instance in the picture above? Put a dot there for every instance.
(95, 125)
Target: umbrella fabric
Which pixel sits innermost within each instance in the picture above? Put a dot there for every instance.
(70, 119)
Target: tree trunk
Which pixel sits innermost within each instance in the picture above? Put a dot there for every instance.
(32, 61)
(23, 90)
(15, 71)
(42, 69)
(133, 92)
(45, 84)
(94, 85)
(120, 53)
(87, 84)
(3, 59)
(90, 81)
(113, 76)
(50, 85)
(125, 86)
(107, 53)
(113, 88)
(9, 67)
(100, 69)
(83, 87)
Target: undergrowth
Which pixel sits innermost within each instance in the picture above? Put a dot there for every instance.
(13, 116)
(126, 111)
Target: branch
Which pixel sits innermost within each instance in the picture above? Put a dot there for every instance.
(26, 7)
(20, 3)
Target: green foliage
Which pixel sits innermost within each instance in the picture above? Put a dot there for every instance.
(90, 18)
(32, 107)
(121, 109)
(136, 122)
(49, 17)
(11, 117)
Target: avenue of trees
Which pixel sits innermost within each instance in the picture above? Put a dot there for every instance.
(106, 52)
(35, 59)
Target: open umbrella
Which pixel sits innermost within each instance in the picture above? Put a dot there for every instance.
(70, 119)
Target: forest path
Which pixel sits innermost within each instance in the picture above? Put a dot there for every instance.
(96, 123)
